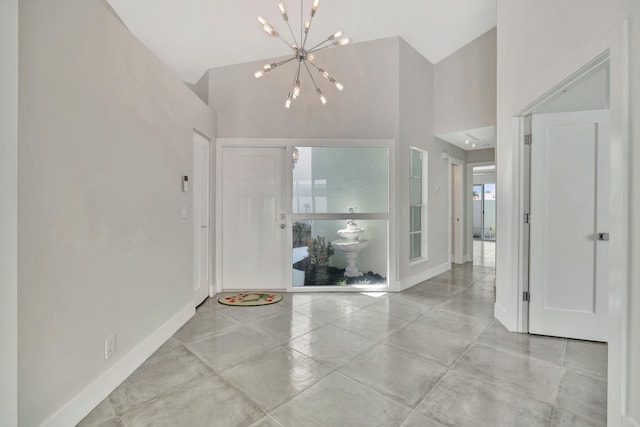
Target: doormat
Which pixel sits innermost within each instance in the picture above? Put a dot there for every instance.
(250, 299)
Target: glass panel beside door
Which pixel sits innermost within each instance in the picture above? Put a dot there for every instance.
(340, 216)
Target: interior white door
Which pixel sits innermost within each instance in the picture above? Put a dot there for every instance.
(253, 221)
(568, 277)
(201, 218)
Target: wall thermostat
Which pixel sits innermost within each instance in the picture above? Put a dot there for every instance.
(185, 183)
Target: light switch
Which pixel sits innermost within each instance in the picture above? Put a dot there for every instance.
(185, 212)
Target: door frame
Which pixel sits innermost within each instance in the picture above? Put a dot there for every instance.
(458, 193)
(209, 283)
(522, 127)
(469, 206)
(221, 144)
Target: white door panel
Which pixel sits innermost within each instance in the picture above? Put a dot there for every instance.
(569, 206)
(252, 237)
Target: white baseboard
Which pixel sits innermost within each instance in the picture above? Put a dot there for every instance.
(80, 406)
(424, 275)
(502, 316)
(628, 422)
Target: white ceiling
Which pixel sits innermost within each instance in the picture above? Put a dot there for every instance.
(191, 36)
(472, 139)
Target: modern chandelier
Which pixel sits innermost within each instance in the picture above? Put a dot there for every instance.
(303, 55)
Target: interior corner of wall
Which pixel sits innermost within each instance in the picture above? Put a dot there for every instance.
(502, 316)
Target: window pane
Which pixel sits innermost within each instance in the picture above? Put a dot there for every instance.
(314, 264)
(333, 179)
(416, 246)
(416, 191)
(416, 219)
(416, 163)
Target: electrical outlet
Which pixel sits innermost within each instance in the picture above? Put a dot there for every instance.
(109, 346)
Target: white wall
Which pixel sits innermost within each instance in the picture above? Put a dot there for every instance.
(8, 213)
(367, 108)
(481, 156)
(539, 45)
(105, 135)
(388, 95)
(416, 130)
(465, 87)
(590, 93)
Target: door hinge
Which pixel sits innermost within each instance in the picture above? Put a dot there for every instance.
(527, 139)
(527, 218)
(526, 296)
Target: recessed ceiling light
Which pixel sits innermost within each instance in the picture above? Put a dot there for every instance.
(473, 146)
(466, 141)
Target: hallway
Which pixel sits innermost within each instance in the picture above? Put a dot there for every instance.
(429, 356)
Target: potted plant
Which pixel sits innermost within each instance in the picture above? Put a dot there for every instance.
(319, 253)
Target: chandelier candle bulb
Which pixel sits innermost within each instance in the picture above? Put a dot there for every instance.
(335, 35)
(269, 30)
(283, 11)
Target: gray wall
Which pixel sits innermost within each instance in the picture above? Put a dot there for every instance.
(477, 156)
(105, 134)
(416, 130)
(8, 212)
(367, 108)
(465, 87)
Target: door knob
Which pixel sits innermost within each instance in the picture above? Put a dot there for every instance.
(283, 226)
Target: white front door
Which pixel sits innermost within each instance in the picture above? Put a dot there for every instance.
(201, 230)
(568, 278)
(253, 220)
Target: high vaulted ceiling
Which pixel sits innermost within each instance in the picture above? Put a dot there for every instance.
(191, 36)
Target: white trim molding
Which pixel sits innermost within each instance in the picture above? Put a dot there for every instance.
(84, 402)
(422, 276)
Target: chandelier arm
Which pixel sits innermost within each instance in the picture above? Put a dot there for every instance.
(286, 61)
(315, 66)
(298, 73)
(309, 71)
(308, 29)
(313, 49)
(292, 35)
(320, 48)
(307, 33)
(279, 37)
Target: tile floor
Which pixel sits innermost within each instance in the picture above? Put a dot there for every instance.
(429, 356)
